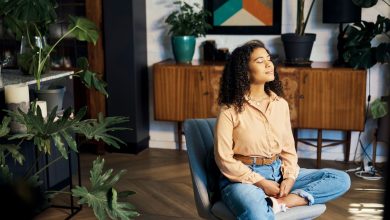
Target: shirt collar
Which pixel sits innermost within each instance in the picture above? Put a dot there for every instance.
(273, 96)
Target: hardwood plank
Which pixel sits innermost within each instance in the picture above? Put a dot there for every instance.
(162, 182)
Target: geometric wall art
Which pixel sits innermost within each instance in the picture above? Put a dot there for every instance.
(244, 16)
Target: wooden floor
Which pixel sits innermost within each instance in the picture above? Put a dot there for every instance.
(162, 182)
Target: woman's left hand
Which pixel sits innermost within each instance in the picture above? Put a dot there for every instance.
(286, 186)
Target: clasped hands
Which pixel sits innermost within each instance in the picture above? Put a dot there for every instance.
(274, 189)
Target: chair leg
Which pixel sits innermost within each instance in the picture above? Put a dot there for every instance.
(319, 148)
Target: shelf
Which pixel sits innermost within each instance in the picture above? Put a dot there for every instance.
(12, 76)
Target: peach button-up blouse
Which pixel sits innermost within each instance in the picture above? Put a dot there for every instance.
(253, 132)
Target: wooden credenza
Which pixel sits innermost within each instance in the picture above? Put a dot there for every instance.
(320, 97)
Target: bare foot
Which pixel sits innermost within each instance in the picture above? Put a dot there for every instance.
(292, 200)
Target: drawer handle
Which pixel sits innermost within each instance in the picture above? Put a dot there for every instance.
(305, 78)
(206, 93)
(201, 76)
(301, 96)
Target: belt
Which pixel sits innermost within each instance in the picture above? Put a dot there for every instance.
(249, 160)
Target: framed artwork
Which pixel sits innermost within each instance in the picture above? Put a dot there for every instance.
(260, 17)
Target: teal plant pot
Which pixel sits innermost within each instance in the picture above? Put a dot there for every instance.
(183, 48)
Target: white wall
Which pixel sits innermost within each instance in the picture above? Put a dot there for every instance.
(163, 134)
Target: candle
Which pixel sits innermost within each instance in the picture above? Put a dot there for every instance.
(42, 105)
(16, 93)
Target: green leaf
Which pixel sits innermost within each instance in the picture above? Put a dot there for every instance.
(4, 129)
(125, 194)
(82, 62)
(91, 80)
(187, 21)
(97, 129)
(60, 145)
(84, 29)
(14, 151)
(69, 140)
(35, 11)
(96, 200)
(102, 196)
(379, 109)
(358, 51)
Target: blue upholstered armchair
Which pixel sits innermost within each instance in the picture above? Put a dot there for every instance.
(199, 135)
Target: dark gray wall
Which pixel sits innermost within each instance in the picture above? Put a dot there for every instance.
(126, 68)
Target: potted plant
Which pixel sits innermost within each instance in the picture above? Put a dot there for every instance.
(60, 133)
(359, 52)
(186, 24)
(298, 45)
(24, 18)
(33, 18)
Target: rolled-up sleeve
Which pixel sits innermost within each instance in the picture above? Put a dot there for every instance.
(233, 169)
(290, 168)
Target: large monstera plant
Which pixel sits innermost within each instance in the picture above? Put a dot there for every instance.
(30, 18)
(361, 52)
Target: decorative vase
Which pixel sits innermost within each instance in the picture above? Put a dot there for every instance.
(183, 48)
(53, 95)
(24, 58)
(298, 48)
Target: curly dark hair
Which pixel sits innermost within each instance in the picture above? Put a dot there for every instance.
(235, 84)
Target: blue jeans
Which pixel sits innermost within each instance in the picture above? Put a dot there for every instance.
(248, 202)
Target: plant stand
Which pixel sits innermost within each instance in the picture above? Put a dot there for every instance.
(68, 182)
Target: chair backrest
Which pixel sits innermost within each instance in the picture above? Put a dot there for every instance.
(199, 135)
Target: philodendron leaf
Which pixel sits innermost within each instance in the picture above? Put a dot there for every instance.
(84, 29)
(379, 109)
(119, 210)
(4, 129)
(97, 129)
(91, 80)
(102, 196)
(14, 151)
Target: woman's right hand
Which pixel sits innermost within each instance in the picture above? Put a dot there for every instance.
(270, 188)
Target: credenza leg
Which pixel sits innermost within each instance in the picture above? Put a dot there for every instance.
(347, 146)
(319, 147)
(179, 134)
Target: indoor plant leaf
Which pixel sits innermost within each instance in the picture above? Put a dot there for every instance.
(97, 129)
(90, 79)
(101, 196)
(84, 29)
(4, 129)
(379, 108)
(14, 151)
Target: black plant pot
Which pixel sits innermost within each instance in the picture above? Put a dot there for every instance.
(53, 95)
(298, 48)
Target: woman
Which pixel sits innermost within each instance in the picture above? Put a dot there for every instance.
(254, 145)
